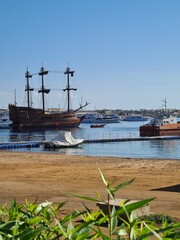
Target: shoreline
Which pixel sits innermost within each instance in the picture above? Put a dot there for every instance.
(52, 177)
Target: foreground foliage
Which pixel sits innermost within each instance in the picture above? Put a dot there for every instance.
(44, 221)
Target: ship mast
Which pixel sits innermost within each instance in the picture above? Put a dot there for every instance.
(15, 103)
(43, 89)
(28, 89)
(68, 88)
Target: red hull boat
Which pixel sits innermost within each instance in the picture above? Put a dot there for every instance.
(164, 127)
(97, 125)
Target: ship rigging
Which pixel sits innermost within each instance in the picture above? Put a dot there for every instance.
(44, 90)
(29, 117)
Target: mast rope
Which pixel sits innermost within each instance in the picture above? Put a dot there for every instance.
(56, 71)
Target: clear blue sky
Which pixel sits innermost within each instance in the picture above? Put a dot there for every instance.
(126, 53)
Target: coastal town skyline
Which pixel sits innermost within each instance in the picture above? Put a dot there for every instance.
(125, 54)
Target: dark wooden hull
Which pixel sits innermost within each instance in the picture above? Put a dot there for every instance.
(24, 117)
(166, 130)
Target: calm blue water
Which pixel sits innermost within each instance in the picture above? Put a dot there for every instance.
(169, 149)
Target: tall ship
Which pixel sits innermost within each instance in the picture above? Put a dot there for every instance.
(29, 117)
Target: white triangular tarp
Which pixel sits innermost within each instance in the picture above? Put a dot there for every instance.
(65, 139)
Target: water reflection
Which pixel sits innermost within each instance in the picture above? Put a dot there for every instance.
(79, 150)
(35, 135)
(168, 149)
(165, 148)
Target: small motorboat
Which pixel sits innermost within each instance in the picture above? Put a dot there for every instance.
(64, 139)
(97, 125)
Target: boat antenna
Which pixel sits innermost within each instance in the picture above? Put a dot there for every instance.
(68, 88)
(165, 105)
(43, 89)
(28, 89)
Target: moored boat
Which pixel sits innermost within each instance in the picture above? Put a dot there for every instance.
(97, 125)
(97, 118)
(29, 117)
(161, 127)
(135, 118)
(4, 119)
(64, 139)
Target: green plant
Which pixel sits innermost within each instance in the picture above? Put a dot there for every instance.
(158, 218)
(45, 221)
(132, 227)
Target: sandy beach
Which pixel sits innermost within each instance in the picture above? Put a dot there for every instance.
(52, 177)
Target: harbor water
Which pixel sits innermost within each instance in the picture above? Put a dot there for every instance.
(161, 149)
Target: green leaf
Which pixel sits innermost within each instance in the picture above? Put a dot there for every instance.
(103, 219)
(106, 182)
(27, 202)
(6, 227)
(111, 194)
(83, 236)
(87, 209)
(114, 220)
(115, 189)
(63, 230)
(13, 204)
(60, 205)
(1, 237)
(30, 233)
(34, 220)
(92, 216)
(81, 226)
(152, 233)
(133, 206)
(99, 233)
(173, 235)
(5, 231)
(70, 229)
(71, 216)
(84, 197)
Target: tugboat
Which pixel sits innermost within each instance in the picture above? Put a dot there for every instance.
(163, 126)
(33, 118)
